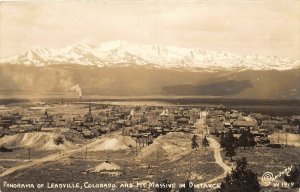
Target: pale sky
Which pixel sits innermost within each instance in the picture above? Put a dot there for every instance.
(265, 27)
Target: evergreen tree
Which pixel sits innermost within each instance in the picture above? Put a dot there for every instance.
(187, 187)
(252, 141)
(195, 143)
(246, 139)
(294, 176)
(205, 142)
(59, 140)
(229, 136)
(241, 179)
(230, 151)
(243, 140)
(230, 144)
(222, 140)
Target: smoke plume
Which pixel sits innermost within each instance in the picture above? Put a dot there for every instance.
(77, 89)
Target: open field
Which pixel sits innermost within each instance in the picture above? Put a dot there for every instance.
(286, 138)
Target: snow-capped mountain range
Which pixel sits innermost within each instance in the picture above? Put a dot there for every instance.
(122, 53)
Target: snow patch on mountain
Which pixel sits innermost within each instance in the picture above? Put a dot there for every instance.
(123, 53)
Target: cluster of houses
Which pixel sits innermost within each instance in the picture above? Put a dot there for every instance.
(220, 120)
(12, 123)
(289, 124)
(141, 122)
(20, 122)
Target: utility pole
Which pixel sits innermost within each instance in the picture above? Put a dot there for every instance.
(278, 136)
(156, 155)
(85, 153)
(136, 146)
(286, 139)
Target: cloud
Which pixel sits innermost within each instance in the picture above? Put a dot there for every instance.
(245, 26)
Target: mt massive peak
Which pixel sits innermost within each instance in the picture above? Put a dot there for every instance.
(122, 54)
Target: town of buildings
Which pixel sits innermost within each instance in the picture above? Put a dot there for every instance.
(144, 123)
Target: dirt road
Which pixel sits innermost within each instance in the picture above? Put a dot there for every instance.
(201, 125)
(217, 154)
(49, 158)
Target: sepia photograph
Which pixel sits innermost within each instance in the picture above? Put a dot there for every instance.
(149, 96)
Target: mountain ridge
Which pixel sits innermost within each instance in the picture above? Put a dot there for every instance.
(140, 81)
(123, 53)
